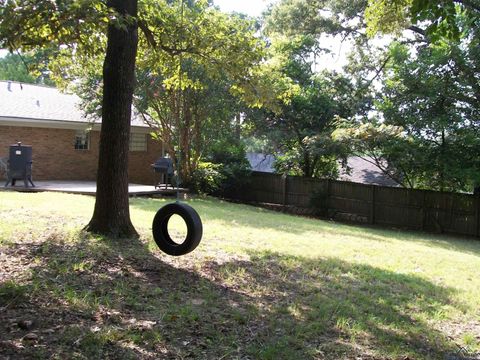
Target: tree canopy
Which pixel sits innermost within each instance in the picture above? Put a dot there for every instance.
(197, 53)
(82, 27)
(298, 131)
(438, 16)
(187, 48)
(174, 85)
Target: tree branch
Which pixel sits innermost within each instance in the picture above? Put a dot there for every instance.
(471, 4)
(148, 33)
(417, 30)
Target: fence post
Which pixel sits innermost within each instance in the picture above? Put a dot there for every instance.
(284, 191)
(327, 198)
(372, 209)
(424, 210)
(477, 198)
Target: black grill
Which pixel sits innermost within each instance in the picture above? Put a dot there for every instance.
(19, 166)
(164, 168)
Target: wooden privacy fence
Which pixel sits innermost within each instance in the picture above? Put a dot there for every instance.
(393, 207)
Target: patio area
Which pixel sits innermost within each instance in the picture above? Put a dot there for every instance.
(89, 188)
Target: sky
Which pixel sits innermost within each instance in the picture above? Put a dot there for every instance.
(249, 7)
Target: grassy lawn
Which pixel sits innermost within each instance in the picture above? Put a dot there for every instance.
(261, 285)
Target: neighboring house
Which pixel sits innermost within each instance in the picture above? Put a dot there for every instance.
(64, 142)
(359, 170)
(363, 171)
(261, 162)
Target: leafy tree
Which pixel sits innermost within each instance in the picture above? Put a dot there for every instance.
(309, 112)
(300, 129)
(317, 18)
(80, 26)
(192, 57)
(31, 68)
(385, 146)
(13, 68)
(438, 105)
(430, 92)
(439, 16)
(95, 32)
(431, 88)
(174, 86)
(429, 101)
(183, 120)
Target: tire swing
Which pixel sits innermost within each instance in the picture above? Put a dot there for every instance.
(160, 222)
(160, 229)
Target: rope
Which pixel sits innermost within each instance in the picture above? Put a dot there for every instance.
(180, 113)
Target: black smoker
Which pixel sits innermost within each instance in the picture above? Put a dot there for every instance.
(19, 164)
(164, 167)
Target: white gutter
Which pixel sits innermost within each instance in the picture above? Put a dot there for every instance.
(61, 124)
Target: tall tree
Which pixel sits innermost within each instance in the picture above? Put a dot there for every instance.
(191, 57)
(111, 215)
(80, 25)
(317, 18)
(174, 85)
(310, 111)
(430, 91)
(385, 146)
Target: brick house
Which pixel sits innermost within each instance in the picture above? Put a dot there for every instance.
(64, 142)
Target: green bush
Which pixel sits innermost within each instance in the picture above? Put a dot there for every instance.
(235, 167)
(225, 172)
(207, 178)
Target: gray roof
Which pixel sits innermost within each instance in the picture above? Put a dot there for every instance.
(261, 162)
(363, 171)
(39, 102)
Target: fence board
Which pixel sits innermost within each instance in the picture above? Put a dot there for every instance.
(413, 209)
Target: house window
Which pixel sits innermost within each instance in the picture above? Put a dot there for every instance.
(138, 142)
(82, 140)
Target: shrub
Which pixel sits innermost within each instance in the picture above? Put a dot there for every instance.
(225, 172)
(235, 167)
(207, 178)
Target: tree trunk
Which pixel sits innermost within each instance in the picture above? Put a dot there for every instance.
(111, 216)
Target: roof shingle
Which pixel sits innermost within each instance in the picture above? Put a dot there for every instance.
(39, 102)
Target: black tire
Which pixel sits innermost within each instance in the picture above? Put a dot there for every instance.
(160, 229)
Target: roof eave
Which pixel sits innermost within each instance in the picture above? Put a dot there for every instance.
(59, 124)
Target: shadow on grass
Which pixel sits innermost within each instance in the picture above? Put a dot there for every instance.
(332, 308)
(263, 219)
(99, 299)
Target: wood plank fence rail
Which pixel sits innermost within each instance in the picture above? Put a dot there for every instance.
(425, 210)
